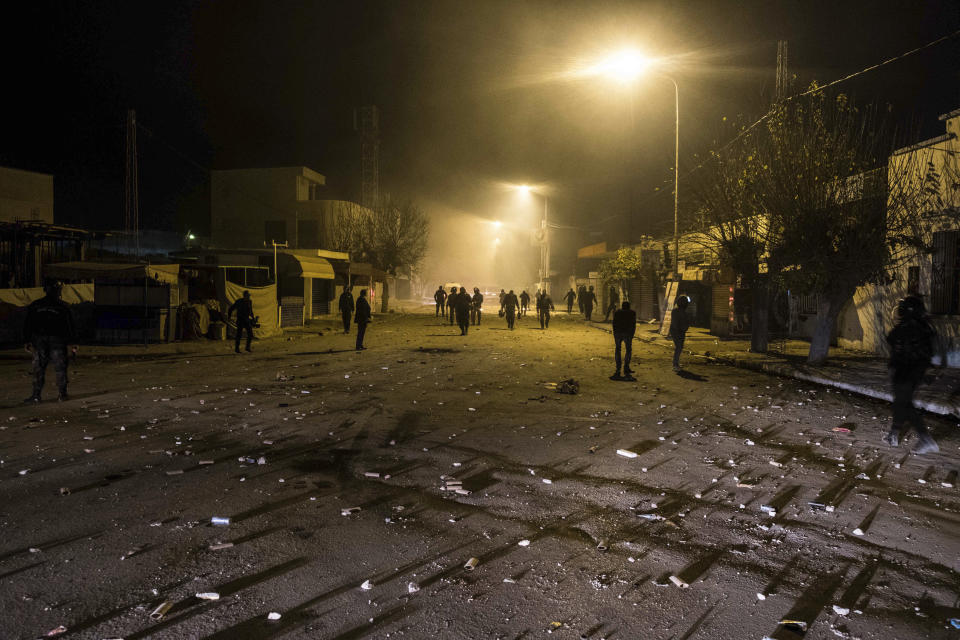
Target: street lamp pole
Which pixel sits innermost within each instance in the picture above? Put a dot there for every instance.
(676, 179)
(545, 251)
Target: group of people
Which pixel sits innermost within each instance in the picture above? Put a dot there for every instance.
(49, 334)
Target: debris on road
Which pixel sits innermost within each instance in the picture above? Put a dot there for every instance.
(273, 615)
(367, 585)
(626, 453)
(161, 610)
(220, 521)
(349, 511)
(471, 564)
(57, 631)
(208, 595)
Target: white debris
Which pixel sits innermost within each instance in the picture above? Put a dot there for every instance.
(679, 582)
(524, 543)
(858, 531)
(626, 453)
(749, 442)
(273, 615)
(208, 595)
(412, 587)
(367, 585)
(840, 611)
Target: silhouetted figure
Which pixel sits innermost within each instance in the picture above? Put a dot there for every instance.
(569, 298)
(362, 317)
(440, 296)
(911, 348)
(451, 302)
(245, 319)
(346, 307)
(589, 299)
(544, 307)
(581, 294)
(462, 309)
(476, 309)
(614, 303)
(624, 328)
(510, 307)
(501, 295)
(47, 332)
(524, 302)
(679, 323)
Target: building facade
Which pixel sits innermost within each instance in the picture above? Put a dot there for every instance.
(25, 196)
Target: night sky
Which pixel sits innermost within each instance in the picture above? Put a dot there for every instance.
(472, 94)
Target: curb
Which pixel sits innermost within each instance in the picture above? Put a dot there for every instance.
(786, 371)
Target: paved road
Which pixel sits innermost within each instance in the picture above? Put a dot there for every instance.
(690, 551)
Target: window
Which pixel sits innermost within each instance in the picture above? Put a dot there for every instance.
(308, 234)
(945, 275)
(275, 230)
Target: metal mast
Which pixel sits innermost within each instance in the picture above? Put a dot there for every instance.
(131, 190)
(366, 121)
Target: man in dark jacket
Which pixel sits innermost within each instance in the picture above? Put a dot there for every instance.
(476, 310)
(362, 318)
(589, 299)
(451, 302)
(440, 297)
(581, 294)
(461, 307)
(510, 307)
(544, 307)
(570, 297)
(524, 302)
(48, 332)
(346, 307)
(245, 319)
(624, 328)
(679, 323)
(911, 347)
(614, 303)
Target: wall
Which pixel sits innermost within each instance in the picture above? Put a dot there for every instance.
(25, 195)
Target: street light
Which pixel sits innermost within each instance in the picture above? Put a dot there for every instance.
(526, 190)
(625, 67)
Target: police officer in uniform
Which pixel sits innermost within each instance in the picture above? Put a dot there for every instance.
(461, 307)
(346, 307)
(510, 307)
(524, 302)
(451, 302)
(544, 307)
(440, 297)
(362, 318)
(477, 309)
(569, 298)
(47, 332)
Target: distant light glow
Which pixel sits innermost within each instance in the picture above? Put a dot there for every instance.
(496, 241)
(624, 66)
(191, 237)
(525, 189)
(497, 224)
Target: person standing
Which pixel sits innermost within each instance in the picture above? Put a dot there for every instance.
(440, 297)
(569, 298)
(502, 294)
(911, 348)
(48, 333)
(624, 328)
(451, 302)
(477, 309)
(524, 302)
(362, 318)
(679, 323)
(589, 299)
(245, 320)
(614, 303)
(581, 295)
(544, 307)
(510, 306)
(461, 307)
(346, 307)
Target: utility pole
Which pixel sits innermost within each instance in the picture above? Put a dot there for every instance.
(782, 78)
(276, 278)
(131, 192)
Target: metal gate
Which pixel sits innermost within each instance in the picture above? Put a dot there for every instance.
(291, 311)
(320, 298)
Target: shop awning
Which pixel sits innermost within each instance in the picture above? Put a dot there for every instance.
(163, 273)
(306, 267)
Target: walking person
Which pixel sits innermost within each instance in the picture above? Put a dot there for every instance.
(589, 299)
(245, 320)
(461, 307)
(440, 297)
(476, 311)
(569, 297)
(451, 301)
(581, 294)
(510, 307)
(49, 334)
(502, 294)
(679, 323)
(911, 348)
(346, 307)
(614, 303)
(362, 318)
(524, 302)
(624, 328)
(544, 307)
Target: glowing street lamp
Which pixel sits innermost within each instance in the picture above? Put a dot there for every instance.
(625, 67)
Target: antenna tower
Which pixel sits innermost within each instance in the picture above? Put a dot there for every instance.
(782, 78)
(366, 121)
(131, 191)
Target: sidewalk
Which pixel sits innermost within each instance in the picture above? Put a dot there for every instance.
(853, 371)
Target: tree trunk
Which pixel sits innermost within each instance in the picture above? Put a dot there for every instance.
(760, 316)
(385, 298)
(827, 312)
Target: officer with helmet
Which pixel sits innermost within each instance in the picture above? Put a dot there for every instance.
(48, 332)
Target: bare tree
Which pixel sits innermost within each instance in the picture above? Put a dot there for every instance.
(394, 235)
